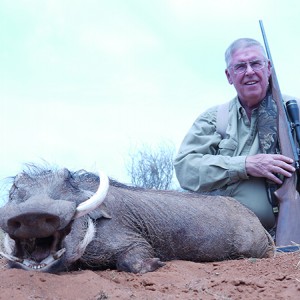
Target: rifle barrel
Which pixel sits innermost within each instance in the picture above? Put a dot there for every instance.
(274, 77)
(284, 127)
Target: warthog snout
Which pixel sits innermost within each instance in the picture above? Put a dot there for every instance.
(22, 226)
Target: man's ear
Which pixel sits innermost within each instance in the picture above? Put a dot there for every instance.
(269, 68)
(228, 76)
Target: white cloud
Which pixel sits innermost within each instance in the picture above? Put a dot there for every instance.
(124, 41)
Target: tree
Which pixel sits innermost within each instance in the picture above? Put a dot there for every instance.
(152, 168)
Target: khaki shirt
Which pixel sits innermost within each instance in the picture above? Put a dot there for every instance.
(208, 163)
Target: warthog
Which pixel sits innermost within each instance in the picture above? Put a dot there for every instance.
(52, 227)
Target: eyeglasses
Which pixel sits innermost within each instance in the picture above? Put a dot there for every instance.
(255, 65)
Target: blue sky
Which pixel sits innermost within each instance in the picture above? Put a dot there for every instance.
(83, 82)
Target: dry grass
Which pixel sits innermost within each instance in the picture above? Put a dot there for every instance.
(3, 262)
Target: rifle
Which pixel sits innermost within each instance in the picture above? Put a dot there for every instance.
(288, 223)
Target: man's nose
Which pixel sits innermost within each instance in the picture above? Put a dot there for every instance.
(249, 69)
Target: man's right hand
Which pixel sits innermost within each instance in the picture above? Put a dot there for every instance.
(269, 165)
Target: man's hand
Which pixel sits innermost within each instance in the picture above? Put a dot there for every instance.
(268, 165)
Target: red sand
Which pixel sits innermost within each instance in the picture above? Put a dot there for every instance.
(272, 278)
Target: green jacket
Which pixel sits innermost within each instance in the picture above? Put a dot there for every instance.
(206, 163)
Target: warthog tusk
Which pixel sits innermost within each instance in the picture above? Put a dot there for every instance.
(96, 200)
(29, 264)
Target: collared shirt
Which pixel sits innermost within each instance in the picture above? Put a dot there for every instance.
(208, 163)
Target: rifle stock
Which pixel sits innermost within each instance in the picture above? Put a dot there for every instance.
(288, 223)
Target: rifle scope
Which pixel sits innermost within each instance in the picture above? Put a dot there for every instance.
(293, 112)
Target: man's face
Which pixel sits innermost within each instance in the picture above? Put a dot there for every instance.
(251, 85)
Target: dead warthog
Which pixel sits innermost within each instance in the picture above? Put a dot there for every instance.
(52, 227)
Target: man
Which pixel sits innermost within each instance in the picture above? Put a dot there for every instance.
(245, 163)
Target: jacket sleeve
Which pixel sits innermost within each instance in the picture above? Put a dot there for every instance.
(205, 162)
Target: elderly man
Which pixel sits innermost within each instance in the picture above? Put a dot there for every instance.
(244, 163)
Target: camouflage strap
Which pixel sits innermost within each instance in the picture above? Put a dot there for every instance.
(267, 125)
(268, 139)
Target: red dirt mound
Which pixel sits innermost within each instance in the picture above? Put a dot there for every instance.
(271, 278)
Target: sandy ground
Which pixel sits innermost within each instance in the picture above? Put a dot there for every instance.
(272, 278)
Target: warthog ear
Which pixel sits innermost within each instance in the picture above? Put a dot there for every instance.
(64, 173)
(100, 212)
(22, 179)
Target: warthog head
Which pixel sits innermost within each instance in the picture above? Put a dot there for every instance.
(42, 207)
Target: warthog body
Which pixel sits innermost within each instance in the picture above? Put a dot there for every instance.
(133, 230)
